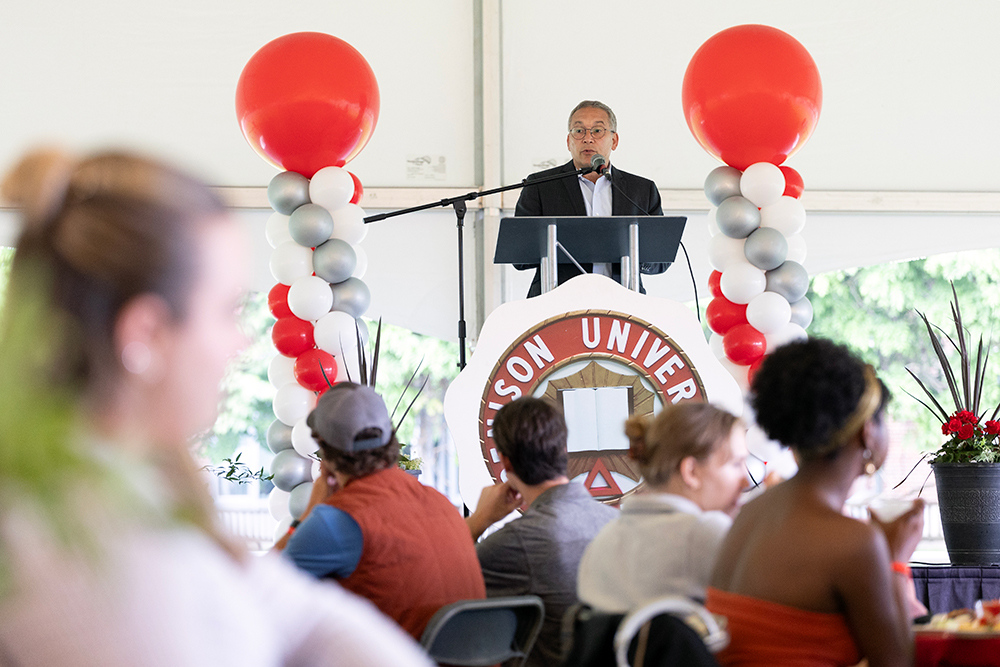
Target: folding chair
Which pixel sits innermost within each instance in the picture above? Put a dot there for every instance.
(479, 633)
(668, 632)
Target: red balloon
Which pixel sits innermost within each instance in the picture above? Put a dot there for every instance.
(307, 100)
(751, 93)
(722, 314)
(793, 182)
(292, 336)
(744, 345)
(315, 369)
(359, 190)
(277, 301)
(713, 283)
(754, 367)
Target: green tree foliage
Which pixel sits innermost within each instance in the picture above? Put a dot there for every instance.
(873, 310)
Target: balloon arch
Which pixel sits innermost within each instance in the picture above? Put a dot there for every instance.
(308, 103)
(752, 97)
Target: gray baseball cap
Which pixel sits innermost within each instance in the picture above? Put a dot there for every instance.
(344, 411)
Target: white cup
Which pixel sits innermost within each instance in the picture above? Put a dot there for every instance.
(887, 508)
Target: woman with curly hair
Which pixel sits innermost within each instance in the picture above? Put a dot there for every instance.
(799, 582)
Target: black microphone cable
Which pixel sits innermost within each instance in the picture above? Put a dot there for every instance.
(694, 283)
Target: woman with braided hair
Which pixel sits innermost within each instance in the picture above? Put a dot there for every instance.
(799, 582)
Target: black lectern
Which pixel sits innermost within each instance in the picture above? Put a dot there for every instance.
(631, 240)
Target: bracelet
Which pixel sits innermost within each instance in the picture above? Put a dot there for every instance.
(902, 568)
(295, 524)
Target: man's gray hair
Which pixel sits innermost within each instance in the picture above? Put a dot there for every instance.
(594, 104)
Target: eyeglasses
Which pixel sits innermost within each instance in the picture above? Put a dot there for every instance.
(595, 132)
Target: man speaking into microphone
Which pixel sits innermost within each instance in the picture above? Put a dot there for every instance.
(605, 191)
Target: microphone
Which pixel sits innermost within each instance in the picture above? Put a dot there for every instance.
(598, 163)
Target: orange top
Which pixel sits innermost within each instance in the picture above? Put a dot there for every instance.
(765, 634)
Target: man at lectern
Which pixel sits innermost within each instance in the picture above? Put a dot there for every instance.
(593, 131)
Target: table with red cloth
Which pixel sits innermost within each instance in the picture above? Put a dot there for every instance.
(951, 649)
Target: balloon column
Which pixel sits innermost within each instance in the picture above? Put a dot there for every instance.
(752, 97)
(307, 103)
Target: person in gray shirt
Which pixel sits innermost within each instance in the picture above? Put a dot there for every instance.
(538, 553)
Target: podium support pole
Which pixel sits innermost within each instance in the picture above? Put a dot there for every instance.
(633, 257)
(550, 263)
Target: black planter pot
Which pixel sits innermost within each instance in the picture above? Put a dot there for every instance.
(969, 499)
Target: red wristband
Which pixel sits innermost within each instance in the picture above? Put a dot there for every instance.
(902, 568)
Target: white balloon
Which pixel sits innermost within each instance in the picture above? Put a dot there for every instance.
(742, 281)
(713, 224)
(293, 402)
(281, 371)
(298, 500)
(331, 187)
(790, 332)
(787, 215)
(276, 230)
(283, 526)
(317, 468)
(739, 373)
(349, 224)
(762, 183)
(302, 440)
(336, 333)
(723, 251)
(277, 504)
(796, 248)
(767, 313)
(310, 298)
(290, 261)
(362, 265)
(715, 345)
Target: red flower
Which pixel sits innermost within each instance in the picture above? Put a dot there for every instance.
(966, 431)
(992, 427)
(966, 417)
(954, 425)
(945, 429)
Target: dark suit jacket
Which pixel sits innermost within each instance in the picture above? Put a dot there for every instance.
(563, 197)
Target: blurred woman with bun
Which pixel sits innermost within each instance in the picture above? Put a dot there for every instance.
(799, 582)
(118, 321)
(692, 457)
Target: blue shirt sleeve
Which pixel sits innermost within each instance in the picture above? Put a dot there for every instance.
(327, 544)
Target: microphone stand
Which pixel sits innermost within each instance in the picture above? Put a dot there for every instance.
(460, 207)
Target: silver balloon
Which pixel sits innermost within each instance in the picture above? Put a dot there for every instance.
(334, 261)
(290, 469)
(737, 217)
(310, 225)
(766, 248)
(351, 296)
(790, 280)
(721, 184)
(802, 312)
(287, 191)
(279, 436)
(299, 499)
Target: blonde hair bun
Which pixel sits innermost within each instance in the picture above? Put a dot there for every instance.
(37, 184)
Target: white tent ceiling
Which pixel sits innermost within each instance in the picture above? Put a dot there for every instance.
(897, 168)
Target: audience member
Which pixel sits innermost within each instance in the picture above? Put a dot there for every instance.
(375, 528)
(799, 582)
(538, 553)
(692, 457)
(119, 319)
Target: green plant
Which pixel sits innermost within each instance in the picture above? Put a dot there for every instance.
(970, 439)
(234, 470)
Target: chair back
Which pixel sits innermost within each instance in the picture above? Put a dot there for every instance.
(667, 632)
(479, 633)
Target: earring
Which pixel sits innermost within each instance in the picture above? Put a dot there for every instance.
(869, 464)
(136, 358)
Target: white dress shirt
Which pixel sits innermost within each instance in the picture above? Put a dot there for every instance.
(597, 199)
